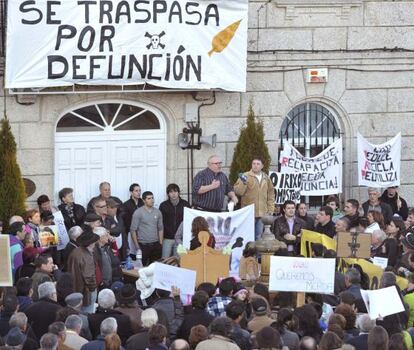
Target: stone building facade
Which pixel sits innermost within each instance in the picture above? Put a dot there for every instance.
(367, 46)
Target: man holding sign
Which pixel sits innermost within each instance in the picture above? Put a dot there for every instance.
(255, 187)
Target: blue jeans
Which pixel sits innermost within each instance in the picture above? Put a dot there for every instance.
(258, 228)
(90, 309)
(167, 247)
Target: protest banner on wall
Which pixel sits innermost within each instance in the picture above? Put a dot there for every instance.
(292, 274)
(373, 272)
(379, 165)
(6, 275)
(62, 232)
(173, 44)
(321, 175)
(167, 276)
(287, 186)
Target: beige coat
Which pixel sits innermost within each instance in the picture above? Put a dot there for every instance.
(262, 194)
(217, 342)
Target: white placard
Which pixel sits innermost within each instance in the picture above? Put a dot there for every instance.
(287, 186)
(376, 307)
(167, 276)
(62, 232)
(379, 165)
(321, 175)
(173, 44)
(291, 274)
(381, 262)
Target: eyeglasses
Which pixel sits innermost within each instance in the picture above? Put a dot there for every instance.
(217, 163)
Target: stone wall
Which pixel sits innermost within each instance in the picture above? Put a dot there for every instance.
(371, 90)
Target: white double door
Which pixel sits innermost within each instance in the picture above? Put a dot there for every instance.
(84, 160)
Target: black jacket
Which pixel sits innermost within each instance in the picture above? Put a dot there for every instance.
(328, 229)
(172, 216)
(41, 314)
(392, 202)
(128, 209)
(196, 317)
(78, 215)
(124, 323)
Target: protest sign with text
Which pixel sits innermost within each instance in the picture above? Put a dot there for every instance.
(379, 165)
(287, 186)
(62, 232)
(321, 175)
(291, 274)
(167, 276)
(170, 44)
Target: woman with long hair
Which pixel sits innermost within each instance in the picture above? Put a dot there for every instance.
(200, 224)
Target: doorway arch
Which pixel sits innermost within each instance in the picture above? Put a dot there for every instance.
(121, 142)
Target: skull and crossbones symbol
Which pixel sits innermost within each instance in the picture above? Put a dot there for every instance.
(155, 40)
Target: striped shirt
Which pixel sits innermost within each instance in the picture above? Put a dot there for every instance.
(213, 199)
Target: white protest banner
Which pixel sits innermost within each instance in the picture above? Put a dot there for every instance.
(6, 274)
(62, 232)
(379, 165)
(374, 301)
(321, 175)
(167, 276)
(172, 44)
(287, 186)
(226, 227)
(291, 274)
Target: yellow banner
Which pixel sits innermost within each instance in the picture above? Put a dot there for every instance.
(373, 272)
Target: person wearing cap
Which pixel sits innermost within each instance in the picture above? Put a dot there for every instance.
(104, 194)
(107, 263)
(93, 220)
(74, 302)
(73, 214)
(81, 264)
(398, 204)
(128, 305)
(15, 338)
(374, 203)
(260, 319)
(16, 237)
(172, 216)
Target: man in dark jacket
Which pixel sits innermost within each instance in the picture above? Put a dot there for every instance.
(74, 232)
(172, 308)
(395, 201)
(302, 213)
(106, 302)
(374, 204)
(73, 214)
(42, 313)
(351, 212)
(172, 215)
(10, 305)
(325, 225)
(287, 228)
(107, 327)
(240, 336)
(199, 315)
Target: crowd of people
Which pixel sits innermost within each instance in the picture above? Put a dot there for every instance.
(77, 297)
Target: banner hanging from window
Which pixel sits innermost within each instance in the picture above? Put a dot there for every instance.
(171, 44)
(321, 175)
(379, 165)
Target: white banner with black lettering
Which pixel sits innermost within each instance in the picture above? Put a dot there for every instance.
(379, 165)
(172, 44)
(321, 175)
(287, 186)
